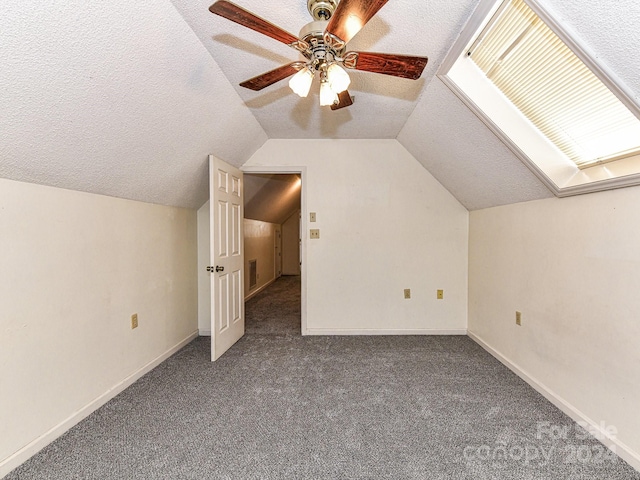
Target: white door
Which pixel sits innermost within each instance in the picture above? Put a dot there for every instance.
(227, 256)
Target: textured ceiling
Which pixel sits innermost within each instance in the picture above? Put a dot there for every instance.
(454, 145)
(610, 31)
(117, 98)
(460, 151)
(382, 103)
(128, 98)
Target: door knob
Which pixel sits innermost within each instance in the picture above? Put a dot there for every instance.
(219, 268)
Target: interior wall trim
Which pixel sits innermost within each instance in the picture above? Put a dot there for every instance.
(19, 457)
(417, 331)
(302, 171)
(258, 290)
(620, 448)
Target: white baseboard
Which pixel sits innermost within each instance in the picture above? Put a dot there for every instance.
(204, 333)
(621, 449)
(19, 457)
(419, 331)
(258, 290)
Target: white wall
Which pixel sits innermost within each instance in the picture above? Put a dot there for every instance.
(204, 277)
(75, 266)
(291, 244)
(572, 267)
(385, 225)
(259, 245)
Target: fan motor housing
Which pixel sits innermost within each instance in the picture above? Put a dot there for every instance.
(313, 30)
(321, 9)
(313, 34)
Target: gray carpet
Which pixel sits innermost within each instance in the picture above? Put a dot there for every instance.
(279, 405)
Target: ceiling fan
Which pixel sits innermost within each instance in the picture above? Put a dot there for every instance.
(323, 44)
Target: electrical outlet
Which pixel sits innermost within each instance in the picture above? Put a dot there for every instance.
(134, 321)
(407, 293)
(312, 217)
(518, 318)
(440, 294)
(314, 233)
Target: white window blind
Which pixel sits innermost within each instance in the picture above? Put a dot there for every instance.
(553, 88)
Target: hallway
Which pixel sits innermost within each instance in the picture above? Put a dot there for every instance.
(276, 309)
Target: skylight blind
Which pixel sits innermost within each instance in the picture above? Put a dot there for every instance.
(553, 88)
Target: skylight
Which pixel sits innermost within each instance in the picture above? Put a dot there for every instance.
(553, 88)
(545, 97)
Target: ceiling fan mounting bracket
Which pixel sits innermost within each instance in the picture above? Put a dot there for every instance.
(321, 9)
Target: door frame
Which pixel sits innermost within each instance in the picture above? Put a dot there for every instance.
(277, 261)
(302, 171)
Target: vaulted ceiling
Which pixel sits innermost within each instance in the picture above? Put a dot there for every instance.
(271, 198)
(382, 103)
(128, 98)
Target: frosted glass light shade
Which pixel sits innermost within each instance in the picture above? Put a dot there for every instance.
(338, 78)
(327, 95)
(300, 83)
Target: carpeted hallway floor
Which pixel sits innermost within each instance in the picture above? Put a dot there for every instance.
(279, 405)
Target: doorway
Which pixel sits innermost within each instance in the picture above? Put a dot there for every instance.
(274, 205)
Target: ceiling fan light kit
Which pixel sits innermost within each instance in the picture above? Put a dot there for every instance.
(338, 79)
(300, 83)
(327, 95)
(323, 43)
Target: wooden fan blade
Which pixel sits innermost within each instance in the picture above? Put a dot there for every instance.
(404, 66)
(272, 76)
(239, 15)
(344, 100)
(351, 15)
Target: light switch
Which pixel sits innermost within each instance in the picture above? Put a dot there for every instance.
(312, 217)
(314, 233)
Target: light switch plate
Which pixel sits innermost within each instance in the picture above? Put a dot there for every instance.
(312, 217)
(314, 233)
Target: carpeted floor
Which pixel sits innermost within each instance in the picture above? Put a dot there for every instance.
(279, 405)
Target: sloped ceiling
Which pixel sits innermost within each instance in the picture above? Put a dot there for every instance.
(382, 103)
(454, 145)
(127, 98)
(271, 198)
(460, 151)
(117, 98)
